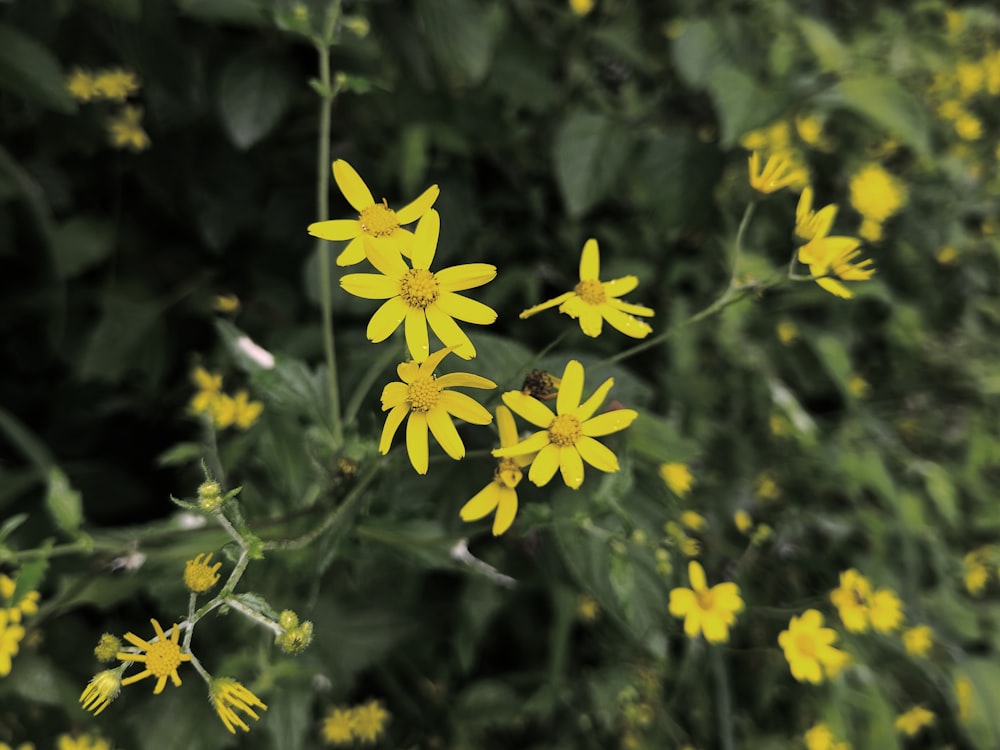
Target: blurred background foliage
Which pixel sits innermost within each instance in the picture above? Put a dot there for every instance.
(854, 433)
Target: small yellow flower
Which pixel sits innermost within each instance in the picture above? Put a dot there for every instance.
(876, 194)
(690, 547)
(694, 521)
(162, 658)
(376, 221)
(971, 78)
(766, 487)
(969, 127)
(337, 726)
(678, 478)
(743, 521)
(911, 722)
(11, 635)
(225, 303)
(422, 396)
(809, 224)
(946, 255)
(821, 737)
(566, 439)
(593, 301)
(977, 574)
(368, 721)
(107, 647)
(238, 410)
(587, 608)
(81, 86)
(663, 565)
(964, 694)
(834, 259)
(809, 648)
(918, 640)
(779, 424)
(125, 130)
(228, 696)
(200, 575)
(25, 606)
(858, 386)
(581, 7)
(870, 230)
(209, 386)
(101, 690)
(781, 170)
(851, 600)
(116, 84)
(82, 742)
(810, 129)
(708, 611)
(788, 332)
(500, 495)
(886, 611)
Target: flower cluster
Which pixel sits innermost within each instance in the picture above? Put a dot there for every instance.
(776, 161)
(861, 607)
(222, 409)
(14, 607)
(364, 723)
(113, 85)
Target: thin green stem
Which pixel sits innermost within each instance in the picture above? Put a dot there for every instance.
(189, 631)
(237, 574)
(723, 698)
(254, 615)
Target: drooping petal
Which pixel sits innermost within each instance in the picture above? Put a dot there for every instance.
(385, 258)
(571, 466)
(628, 307)
(464, 380)
(609, 422)
(597, 454)
(589, 316)
(352, 186)
(416, 334)
(443, 430)
(393, 395)
(353, 254)
(425, 239)
(450, 334)
(571, 388)
(392, 421)
(336, 230)
(531, 444)
(465, 276)
(416, 441)
(545, 465)
(530, 408)
(465, 408)
(482, 503)
(546, 305)
(590, 261)
(506, 427)
(618, 287)
(465, 309)
(370, 285)
(417, 208)
(506, 510)
(835, 287)
(592, 404)
(386, 319)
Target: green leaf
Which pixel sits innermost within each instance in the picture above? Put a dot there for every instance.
(982, 725)
(590, 151)
(656, 439)
(63, 501)
(254, 94)
(836, 361)
(697, 52)
(462, 35)
(29, 70)
(289, 716)
(180, 455)
(9, 526)
(824, 44)
(29, 578)
(941, 490)
(80, 244)
(887, 104)
(740, 102)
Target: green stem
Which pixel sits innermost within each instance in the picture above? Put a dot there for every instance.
(723, 698)
(254, 615)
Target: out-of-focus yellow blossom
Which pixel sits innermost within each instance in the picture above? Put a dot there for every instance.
(954, 22)
(587, 608)
(336, 728)
(581, 7)
(809, 224)
(950, 109)
(870, 230)
(82, 742)
(788, 332)
(238, 410)
(858, 386)
(116, 84)
(26, 606)
(851, 600)
(809, 648)
(781, 170)
(971, 78)
(225, 303)
(821, 737)
(22, 746)
(918, 640)
(835, 259)
(81, 86)
(200, 575)
(766, 487)
(126, 132)
(663, 565)
(963, 696)
(673, 28)
(162, 658)
(593, 301)
(209, 387)
(774, 138)
(694, 521)
(101, 690)
(977, 573)
(707, 611)
(886, 611)
(690, 547)
(946, 255)
(810, 129)
(780, 426)
(678, 478)
(11, 635)
(876, 194)
(911, 722)
(969, 127)
(368, 721)
(743, 521)
(228, 696)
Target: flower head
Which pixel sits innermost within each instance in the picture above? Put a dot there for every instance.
(162, 658)
(101, 690)
(116, 84)
(424, 397)
(376, 221)
(810, 224)
(200, 575)
(809, 648)
(238, 410)
(368, 721)
(678, 478)
(500, 495)
(337, 726)
(886, 611)
(82, 742)
(851, 600)
(781, 170)
(566, 439)
(209, 386)
(125, 130)
(911, 722)
(977, 574)
(706, 610)
(964, 693)
(422, 297)
(918, 640)
(24, 606)
(876, 194)
(832, 259)
(821, 737)
(10, 641)
(229, 696)
(593, 301)
(81, 85)
(107, 647)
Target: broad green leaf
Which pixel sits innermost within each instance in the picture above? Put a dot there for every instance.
(590, 151)
(29, 70)
(835, 359)
(462, 35)
(289, 718)
(63, 502)
(80, 244)
(740, 102)
(697, 52)
(888, 104)
(254, 94)
(830, 53)
(656, 439)
(11, 525)
(29, 578)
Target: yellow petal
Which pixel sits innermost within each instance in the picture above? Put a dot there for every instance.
(835, 287)
(629, 308)
(714, 628)
(352, 186)
(609, 422)
(450, 334)
(592, 404)
(465, 408)
(392, 421)
(506, 510)
(597, 454)
(618, 287)
(624, 323)
(465, 309)
(571, 466)
(530, 408)
(692, 623)
(561, 299)
(482, 503)
(591, 320)
(386, 319)
(416, 334)
(408, 371)
(417, 208)
(353, 253)
(416, 441)
(445, 433)
(427, 368)
(682, 601)
(385, 258)
(570, 389)
(464, 380)
(696, 574)
(590, 261)
(531, 444)
(506, 427)
(370, 285)
(425, 240)
(545, 465)
(335, 230)
(465, 276)
(393, 395)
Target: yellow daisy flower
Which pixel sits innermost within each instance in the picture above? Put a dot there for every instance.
(422, 297)
(876, 194)
(809, 224)
(423, 397)
(228, 696)
(678, 478)
(125, 130)
(368, 721)
(336, 728)
(708, 611)
(25, 606)
(200, 575)
(911, 722)
(851, 600)
(10, 641)
(821, 737)
(500, 495)
(831, 259)
(781, 170)
(809, 648)
(918, 640)
(593, 301)
(567, 437)
(376, 221)
(101, 690)
(162, 658)
(886, 611)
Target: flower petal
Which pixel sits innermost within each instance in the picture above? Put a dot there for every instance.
(465, 408)
(370, 285)
(597, 454)
(506, 427)
(696, 574)
(417, 208)
(589, 316)
(408, 371)
(530, 408)
(392, 421)
(682, 601)
(590, 261)
(571, 466)
(465, 276)
(531, 444)
(448, 331)
(386, 319)
(425, 239)
(336, 230)
(352, 254)
(416, 334)
(443, 430)
(628, 307)
(592, 404)
(352, 186)
(385, 257)
(465, 380)
(618, 287)
(714, 627)
(545, 465)
(609, 422)
(416, 441)
(506, 510)
(570, 389)
(465, 309)
(394, 394)
(835, 287)
(482, 503)
(428, 367)
(546, 305)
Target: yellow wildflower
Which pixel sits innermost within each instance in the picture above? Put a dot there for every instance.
(587, 608)
(788, 332)
(775, 137)
(209, 387)
(376, 222)
(200, 575)
(690, 547)
(238, 410)
(82, 742)
(162, 658)
(885, 611)
(809, 648)
(25, 606)
(709, 611)
(116, 84)
(593, 301)
(422, 396)
(11, 635)
(858, 386)
(971, 77)
(876, 194)
(581, 7)
(337, 726)
(566, 439)
(918, 640)
(81, 85)
(694, 521)
(107, 647)
(500, 495)
(678, 477)
(766, 486)
(809, 224)
(833, 259)
(101, 690)
(911, 722)
(368, 721)
(821, 737)
(125, 130)
(851, 600)
(225, 303)
(781, 170)
(810, 129)
(977, 574)
(946, 255)
(969, 127)
(743, 521)
(228, 696)
(779, 424)
(870, 230)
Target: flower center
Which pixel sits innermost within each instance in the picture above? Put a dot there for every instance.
(163, 658)
(507, 473)
(423, 394)
(706, 600)
(379, 220)
(591, 292)
(565, 430)
(418, 287)
(806, 644)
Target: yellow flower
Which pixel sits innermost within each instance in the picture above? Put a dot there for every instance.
(918, 640)
(971, 77)
(851, 600)
(709, 611)
(832, 259)
(107, 647)
(116, 85)
(809, 648)
(775, 137)
(593, 301)
(694, 521)
(743, 521)
(977, 575)
(810, 129)
(690, 547)
(376, 221)
(162, 658)
(858, 386)
(788, 332)
(423, 397)
(225, 303)
(766, 487)
(422, 297)
(81, 85)
(126, 130)
(809, 224)
(678, 478)
(229, 696)
(969, 127)
(209, 387)
(10, 641)
(238, 410)
(337, 726)
(368, 721)
(780, 171)
(780, 426)
(946, 255)
(22, 746)
(964, 694)
(886, 611)
(821, 737)
(581, 7)
(911, 722)
(870, 230)
(200, 575)
(101, 690)
(83, 742)
(587, 608)
(25, 606)
(876, 194)
(566, 439)
(500, 495)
